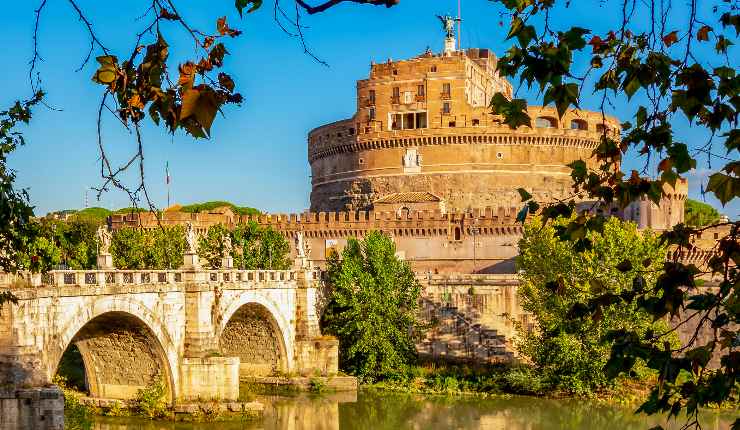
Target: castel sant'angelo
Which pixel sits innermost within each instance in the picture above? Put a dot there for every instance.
(423, 159)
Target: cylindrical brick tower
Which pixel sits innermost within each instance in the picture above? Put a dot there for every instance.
(424, 125)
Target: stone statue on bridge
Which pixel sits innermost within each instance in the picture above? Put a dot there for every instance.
(104, 239)
(300, 247)
(227, 261)
(191, 238)
(105, 259)
(190, 257)
(228, 247)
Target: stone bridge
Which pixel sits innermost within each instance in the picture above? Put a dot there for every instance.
(196, 330)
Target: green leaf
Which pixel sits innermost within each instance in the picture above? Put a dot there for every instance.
(514, 111)
(733, 140)
(524, 194)
(241, 4)
(725, 187)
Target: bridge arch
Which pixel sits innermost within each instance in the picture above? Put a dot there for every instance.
(124, 346)
(254, 329)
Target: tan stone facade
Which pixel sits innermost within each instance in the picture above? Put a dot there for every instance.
(424, 125)
(424, 160)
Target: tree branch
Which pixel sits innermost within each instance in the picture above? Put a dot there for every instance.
(331, 3)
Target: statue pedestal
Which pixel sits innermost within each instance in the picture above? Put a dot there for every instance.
(227, 262)
(191, 261)
(302, 263)
(105, 261)
(449, 46)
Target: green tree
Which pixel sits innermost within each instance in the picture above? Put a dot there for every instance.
(572, 354)
(372, 304)
(157, 249)
(17, 231)
(246, 245)
(211, 246)
(698, 214)
(169, 248)
(273, 250)
(128, 249)
(41, 255)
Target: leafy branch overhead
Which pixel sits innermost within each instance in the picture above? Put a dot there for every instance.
(667, 65)
(141, 84)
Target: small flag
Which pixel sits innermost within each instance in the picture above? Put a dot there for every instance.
(167, 173)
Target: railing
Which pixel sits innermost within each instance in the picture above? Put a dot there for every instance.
(62, 278)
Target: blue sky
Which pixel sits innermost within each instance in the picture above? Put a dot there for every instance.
(257, 153)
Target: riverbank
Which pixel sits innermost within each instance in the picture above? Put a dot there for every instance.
(499, 380)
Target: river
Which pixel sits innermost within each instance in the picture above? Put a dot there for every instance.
(390, 411)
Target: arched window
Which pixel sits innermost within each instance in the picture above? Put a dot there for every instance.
(545, 122)
(457, 233)
(578, 124)
(404, 212)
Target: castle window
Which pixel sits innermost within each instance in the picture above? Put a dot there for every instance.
(600, 128)
(452, 124)
(396, 95)
(408, 121)
(457, 233)
(361, 161)
(578, 124)
(420, 90)
(446, 91)
(351, 131)
(371, 113)
(499, 155)
(395, 71)
(371, 96)
(545, 122)
(446, 107)
(476, 122)
(716, 235)
(408, 97)
(421, 120)
(433, 69)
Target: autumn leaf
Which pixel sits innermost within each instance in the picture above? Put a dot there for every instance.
(225, 81)
(703, 33)
(135, 101)
(108, 71)
(670, 38)
(201, 105)
(187, 75)
(224, 30)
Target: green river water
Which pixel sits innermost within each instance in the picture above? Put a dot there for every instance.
(383, 410)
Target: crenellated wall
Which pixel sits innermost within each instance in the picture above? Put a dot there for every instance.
(482, 240)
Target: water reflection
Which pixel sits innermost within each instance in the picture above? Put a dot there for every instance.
(381, 411)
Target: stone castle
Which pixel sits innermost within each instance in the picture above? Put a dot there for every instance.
(424, 160)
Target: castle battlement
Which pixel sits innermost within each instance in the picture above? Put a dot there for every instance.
(488, 221)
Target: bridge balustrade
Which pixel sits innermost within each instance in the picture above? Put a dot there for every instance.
(137, 277)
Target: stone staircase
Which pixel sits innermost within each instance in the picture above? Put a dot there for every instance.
(455, 336)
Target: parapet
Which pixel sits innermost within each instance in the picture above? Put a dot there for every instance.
(489, 216)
